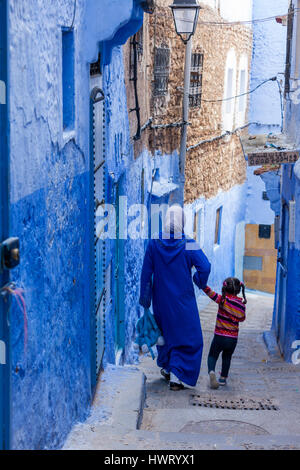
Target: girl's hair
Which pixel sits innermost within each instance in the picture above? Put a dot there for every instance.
(233, 286)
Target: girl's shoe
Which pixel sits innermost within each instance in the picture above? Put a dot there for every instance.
(222, 381)
(214, 384)
(165, 375)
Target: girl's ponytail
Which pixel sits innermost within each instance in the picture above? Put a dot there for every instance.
(223, 293)
(243, 291)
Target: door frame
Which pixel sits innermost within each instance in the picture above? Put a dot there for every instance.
(97, 247)
(5, 377)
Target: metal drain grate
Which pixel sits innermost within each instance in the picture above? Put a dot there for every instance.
(236, 403)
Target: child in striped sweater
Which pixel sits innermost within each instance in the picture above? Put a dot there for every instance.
(231, 312)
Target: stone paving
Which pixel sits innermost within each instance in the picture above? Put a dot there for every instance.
(254, 376)
(122, 418)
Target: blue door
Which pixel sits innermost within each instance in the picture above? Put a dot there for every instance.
(98, 199)
(4, 332)
(119, 273)
(283, 262)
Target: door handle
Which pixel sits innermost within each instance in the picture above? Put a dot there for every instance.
(9, 253)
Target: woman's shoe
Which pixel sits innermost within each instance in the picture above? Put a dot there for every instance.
(222, 381)
(165, 375)
(214, 384)
(175, 386)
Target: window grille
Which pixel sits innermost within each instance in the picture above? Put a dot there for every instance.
(161, 70)
(140, 42)
(196, 80)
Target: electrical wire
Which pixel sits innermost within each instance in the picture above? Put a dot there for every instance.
(221, 136)
(237, 23)
(74, 15)
(273, 79)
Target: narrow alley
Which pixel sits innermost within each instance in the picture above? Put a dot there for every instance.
(149, 196)
(257, 410)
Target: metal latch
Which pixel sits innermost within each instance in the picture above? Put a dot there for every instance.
(9, 253)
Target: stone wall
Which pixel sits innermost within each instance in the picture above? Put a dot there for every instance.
(211, 167)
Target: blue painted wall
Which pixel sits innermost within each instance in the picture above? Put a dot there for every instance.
(290, 191)
(288, 331)
(268, 60)
(223, 255)
(51, 387)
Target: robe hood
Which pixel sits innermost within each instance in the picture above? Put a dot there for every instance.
(170, 248)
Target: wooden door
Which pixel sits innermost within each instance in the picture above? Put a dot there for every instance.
(260, 258)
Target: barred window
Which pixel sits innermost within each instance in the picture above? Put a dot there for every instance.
(196, 80)
(161, 70)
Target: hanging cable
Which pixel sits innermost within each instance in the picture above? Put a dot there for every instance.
(273, 79)
(74, 15)
(221, 136)
(237, 23)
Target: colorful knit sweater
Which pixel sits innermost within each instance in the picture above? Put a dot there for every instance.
(230, 314)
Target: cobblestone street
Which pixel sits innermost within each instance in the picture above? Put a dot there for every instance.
(171, 420)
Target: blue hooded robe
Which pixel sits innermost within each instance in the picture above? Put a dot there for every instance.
(167, 280)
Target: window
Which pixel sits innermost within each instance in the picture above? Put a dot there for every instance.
(253, 263)
(242, 99)
(68, 88)
(264, 231)
(198, 232)
(265, 196)
(218, 226)
(161, 70)
(229, 91)
(95, 67)
(196, 80)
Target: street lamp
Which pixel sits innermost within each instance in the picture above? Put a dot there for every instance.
(185, 13)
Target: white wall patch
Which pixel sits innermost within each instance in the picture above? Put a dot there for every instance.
(2, 92)
(2, 353)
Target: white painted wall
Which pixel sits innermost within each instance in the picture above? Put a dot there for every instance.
(211, 3)
(236, 10)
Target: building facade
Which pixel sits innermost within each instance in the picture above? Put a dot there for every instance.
(277, 115)
(286, 322)
(66, 142)
(215, 176)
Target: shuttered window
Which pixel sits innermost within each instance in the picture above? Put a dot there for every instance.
(161, 70)
(196, 80)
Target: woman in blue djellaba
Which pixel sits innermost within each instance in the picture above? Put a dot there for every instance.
(166, 280)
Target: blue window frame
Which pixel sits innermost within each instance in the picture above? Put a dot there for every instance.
(68, 80)
(218, 225)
